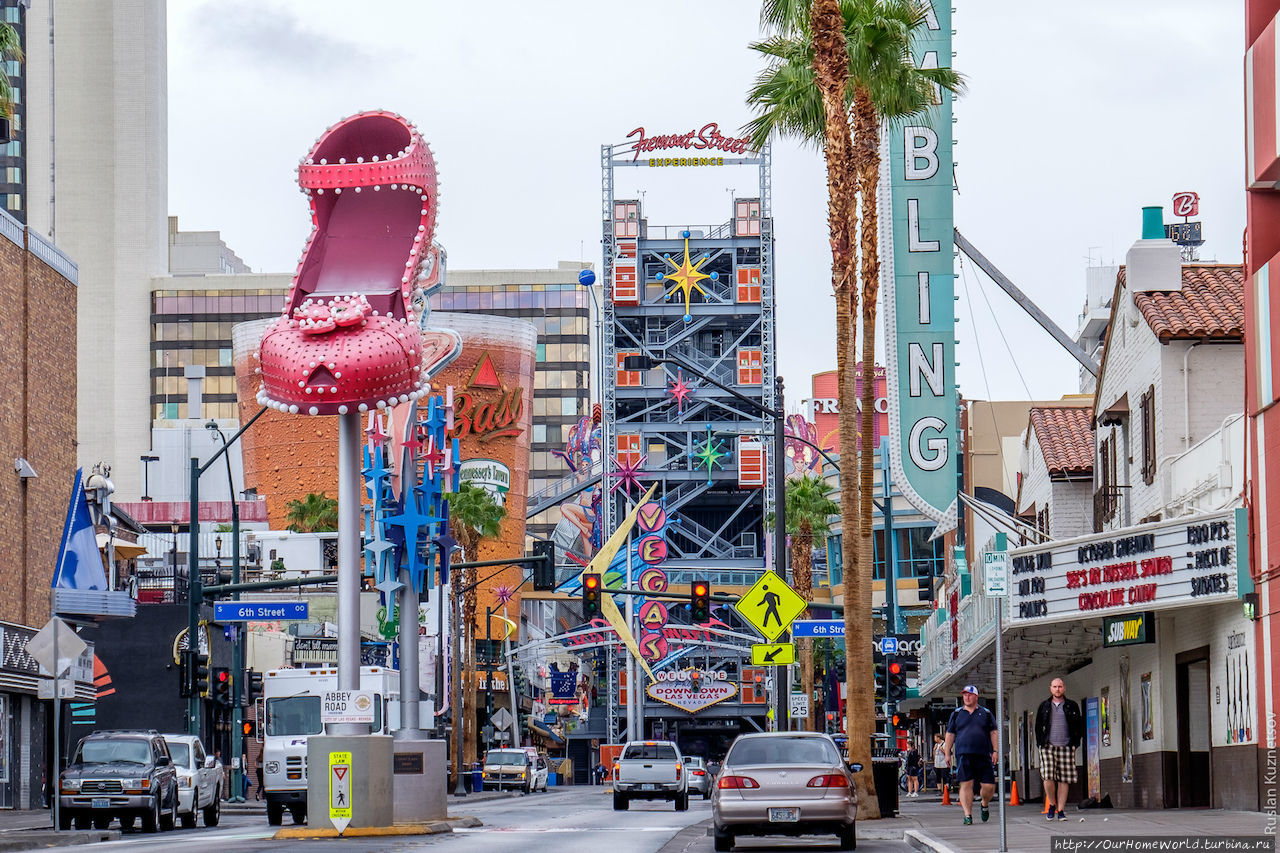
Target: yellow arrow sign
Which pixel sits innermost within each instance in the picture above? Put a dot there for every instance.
(771, 606)
(773, 654)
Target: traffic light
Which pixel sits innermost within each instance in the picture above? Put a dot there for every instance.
(590, 596)
(700, 600)
(184, 674)
(899, 720)
(222, 685)
(200, 674)
(544, 572)
(882, 678)
(249, 728)
(897, 681)
(253, 686)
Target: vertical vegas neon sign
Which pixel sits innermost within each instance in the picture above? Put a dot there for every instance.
(918, 280)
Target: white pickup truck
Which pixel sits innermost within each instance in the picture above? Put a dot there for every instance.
(650, 770)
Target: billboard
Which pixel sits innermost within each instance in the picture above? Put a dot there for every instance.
(918, 280)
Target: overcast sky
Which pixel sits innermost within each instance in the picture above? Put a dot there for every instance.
(1077, 115)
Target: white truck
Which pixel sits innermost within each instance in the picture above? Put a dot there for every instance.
(289, 711)
(650, 770)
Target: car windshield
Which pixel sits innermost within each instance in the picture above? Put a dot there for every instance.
(694, 762)
(659, 751)
(782, 750)
(181, 753)
(126, 751)
(506, 756)
(293, 715)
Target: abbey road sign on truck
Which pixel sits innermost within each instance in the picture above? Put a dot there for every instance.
(348, 706)
(260, 611)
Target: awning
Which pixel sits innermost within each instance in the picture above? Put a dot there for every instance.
(539, 728)
(124, 550)
(1115, 414)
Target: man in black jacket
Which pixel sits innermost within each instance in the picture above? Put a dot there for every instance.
(1059, 730)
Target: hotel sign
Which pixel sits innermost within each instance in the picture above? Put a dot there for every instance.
(919, 280)
(1148, 567)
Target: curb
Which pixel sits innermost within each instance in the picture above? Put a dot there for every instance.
(925, 842)
(435, 827)
(44, 838)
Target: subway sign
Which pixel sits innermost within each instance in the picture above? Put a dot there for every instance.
(1132, 630)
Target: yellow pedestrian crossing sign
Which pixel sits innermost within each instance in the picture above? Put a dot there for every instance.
(340, 790)
(773, 654)
(771, 606)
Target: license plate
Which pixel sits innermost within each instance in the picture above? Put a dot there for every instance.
(101, 803)
(647, 787)
(784, 815)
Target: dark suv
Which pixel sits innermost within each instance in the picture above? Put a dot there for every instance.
(119, 774)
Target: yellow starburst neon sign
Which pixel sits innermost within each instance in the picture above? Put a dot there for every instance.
(686, 276)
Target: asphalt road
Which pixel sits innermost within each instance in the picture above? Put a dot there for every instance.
(567, 820)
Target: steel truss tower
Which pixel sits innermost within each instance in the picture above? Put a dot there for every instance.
(726, 332)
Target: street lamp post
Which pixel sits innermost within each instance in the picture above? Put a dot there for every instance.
(237, 649)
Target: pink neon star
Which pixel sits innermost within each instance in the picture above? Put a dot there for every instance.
(680, 390)
(374, 430)
(433, 457)
(504, 593)
(627, 474)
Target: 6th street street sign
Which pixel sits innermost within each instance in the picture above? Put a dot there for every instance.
(770, 606)
(260, 611)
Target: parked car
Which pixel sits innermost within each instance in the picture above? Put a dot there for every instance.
(121, 774)
(541, 773)
(650, 770)
(699, 776)
(199, 780)
(510, 769)
(784, 783)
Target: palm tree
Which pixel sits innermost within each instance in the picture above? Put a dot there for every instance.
(793, 97)
(474, 515)
(315, 513)
(10, 48)
(809, 506)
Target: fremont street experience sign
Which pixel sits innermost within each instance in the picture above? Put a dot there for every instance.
(1148, 567)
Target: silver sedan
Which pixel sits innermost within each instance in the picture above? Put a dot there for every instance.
(784, 783)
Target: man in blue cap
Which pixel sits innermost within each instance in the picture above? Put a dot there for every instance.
(974, 738)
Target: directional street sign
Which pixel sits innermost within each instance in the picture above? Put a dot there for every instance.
(340, 790)
(770, 606)
(260, 611)
(817, 628)
(773, 654)
(501, 720)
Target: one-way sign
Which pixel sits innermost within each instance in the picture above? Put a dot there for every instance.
(259, 611)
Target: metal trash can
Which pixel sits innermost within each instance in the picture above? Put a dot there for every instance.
(884, 772)
(477, 778)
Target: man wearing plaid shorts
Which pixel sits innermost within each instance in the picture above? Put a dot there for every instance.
(1059, 730)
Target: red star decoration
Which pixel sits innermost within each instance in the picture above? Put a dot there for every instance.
(374, 430)
(680, 390)
(627, 474)
(433, 457)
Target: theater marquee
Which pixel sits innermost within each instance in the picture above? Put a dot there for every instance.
(1148, 567)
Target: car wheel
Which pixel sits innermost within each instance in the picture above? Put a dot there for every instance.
(151, 817)
(299, 815)
(126, 822)
(275, 813)
(213, 811)
(168, 820)
(189, 819)
(682, 802)
(723, 841)
(848, 836)
(620, 802)
(64, 820)
(528, 787)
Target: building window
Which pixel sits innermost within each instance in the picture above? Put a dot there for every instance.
(626, 378)
(1148, 409)
(750, 367)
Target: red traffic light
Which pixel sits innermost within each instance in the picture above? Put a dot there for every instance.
(699, 589)
(223, 676)
(894, 667)
(591, 581)
(897, 721)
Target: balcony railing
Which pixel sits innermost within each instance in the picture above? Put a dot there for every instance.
(1209, 474)
(1106, 506)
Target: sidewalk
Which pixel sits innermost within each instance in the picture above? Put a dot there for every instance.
(941, 829)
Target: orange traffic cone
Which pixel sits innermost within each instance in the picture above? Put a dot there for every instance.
(1013, 794)
(1045, 810)
(946, 795)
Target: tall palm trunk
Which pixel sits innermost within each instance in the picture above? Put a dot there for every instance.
(802, 580)
(455, 667)
(866, 155)
(831, 73)
(469, 600)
